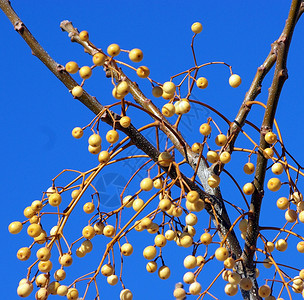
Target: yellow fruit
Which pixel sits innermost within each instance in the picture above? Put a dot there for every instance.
(225, 157)
(65, 260)
(246, 284)
(168, 110)
(212, 156)
(84, 36)
(182, 107)
(85, 72)
(136, 55)
(24, 253)
(264, 291)
(196, 147)
(268, 153)
(205, 129)
(235, 80)
(300, 247)
(270, 137)
(149, 252)
(126, 249)
(165, 159)
(202, 82)
(151, 266)
(195, 288)
(122, 88)
(169, 87)
(249, 168)
(77, 91)
(77, 132)
(109, 230)
(277, 168)
(221, 140)
(206, 238)
(125, 122)
(28, 212)
(229, 264)
(43, 254)
(15, 227)
(94, 150)
(88, 232)
(138, 204)
(71, 67)
(36, 205)
(164, 272)
(103, 157)
(282, 203)
(113, 50)
(160, 240)
(274, 184)
(146, 184)
(112, 136)
(99, 59)
(89, 207)
(72, 294)
(190, 262)
(291, 215)
(158, 183)
(248, 188)
(34, 230)
(231, 289)
(112, 279)
(45, 266)
(214, 181)
(94, 140)
(197, 27)
(167, 96)
(221, 253)
(143, 72)
(55, 199)
(107, 270)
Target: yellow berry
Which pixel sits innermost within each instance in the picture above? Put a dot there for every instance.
(126, 249)
(89, 207)
(202, 82)
(112, 136)
(277, 168)
(65, 260)
(109, 230)
(195, 288)
(149, 252)
(206, 238)
(99, 59)
(205, 129)
(169, 87)
(212, 156)
(55, 199)
(168, 110)
(197, 27)
(24, 253)
(85, 72)
(103, 157)
(248, 188)
(165, 159)
(77, 132)
(146, 184)
(143, 72)
(196, 147)
(43, 254)
(84, 36)
(270, 137)
(71, 67)
(77, 91)
(235, 80)
(249, 168)
(34, 230)
(274, 184)
(214, 181)
(28, 212)
(282, 203)
(72, 294)
(45, 266)
(221, 253)
(125, 122)
(137, 204)
(88, 232)
(225, 157)
(136, 55)
(164, 272)
(160, 240)
(15, 227)
(221, 140)
(113, 50)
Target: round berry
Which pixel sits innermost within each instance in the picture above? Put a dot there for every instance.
(274, 184)
(248, 188)
(149, 252)
(277, 169)
(125, 122)
(249, 168)
(221, 139)
(15, 227)
(94, 140)
(205, 129)
(136, 55)
(206, 238)
(212, 156)
(221, 253)
(282, 203)
(146, 184)
(168, 110)
(71, 67)
(77, 132)
(112, 136)
(143, 72)
(72, 294)
(214, 181)
(24, 253)
(164, 272)
(34, 230)
(84, 36)
(65, 260)
(197, 27)
(157, 91)
(113, 50)
(88, 232)
(270, 137)
(104, 157)
(169, 87)
(85, 72)
(195, 288)
(55, 199)
(126, 249)
(235, 80)
(43, 254)
(77, 91)
(89, 207)
(109, 230)
(165, 159)
(99, 59)
(112, 279)
(202, 82)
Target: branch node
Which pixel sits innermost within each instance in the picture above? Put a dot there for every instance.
(19, 26)
(60, 68)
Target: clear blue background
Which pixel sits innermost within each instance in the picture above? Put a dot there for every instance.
(38, 113)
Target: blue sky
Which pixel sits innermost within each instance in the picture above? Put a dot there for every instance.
(38, 113)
